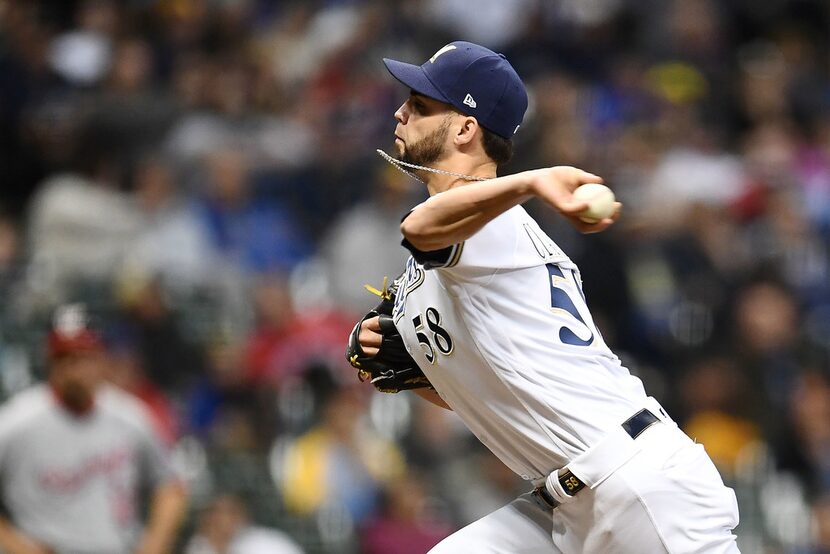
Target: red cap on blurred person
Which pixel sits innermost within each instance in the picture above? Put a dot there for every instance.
(71, 332)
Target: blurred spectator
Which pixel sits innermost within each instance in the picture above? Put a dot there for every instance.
(363, 245)
(784, 239)
(125, 370)
(814, 174)
(769, 344)
(821, 527)
(809, 413)
(406, 525)
(717, 412)
(300, 42)
(169, 357)
(75, 454)
(257, 234)
(129, 116)
(689, 175)
(171, 243)
(78, 229)
(226, 407)
(275, 318)
(9, 244)
(33, 108)
(83, 55)
(339, 461)
(235, 104)
(287, 338)
(225, 528)
(497, 22)
(10, 257)
(475, 483)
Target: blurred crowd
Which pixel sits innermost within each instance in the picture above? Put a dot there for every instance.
(203, 174)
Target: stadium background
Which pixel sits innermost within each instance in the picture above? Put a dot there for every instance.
(202, 172)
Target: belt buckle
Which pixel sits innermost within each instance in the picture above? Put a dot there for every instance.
(543, 498)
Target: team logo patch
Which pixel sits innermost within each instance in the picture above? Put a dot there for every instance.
(412, 278)
(443, 50)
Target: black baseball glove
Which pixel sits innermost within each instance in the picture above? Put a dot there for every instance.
(392, 369)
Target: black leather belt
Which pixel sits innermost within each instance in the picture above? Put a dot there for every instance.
(571, 484)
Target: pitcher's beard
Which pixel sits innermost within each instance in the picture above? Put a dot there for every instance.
(428, 150)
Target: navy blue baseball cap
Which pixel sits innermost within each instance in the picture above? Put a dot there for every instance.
(474, 80)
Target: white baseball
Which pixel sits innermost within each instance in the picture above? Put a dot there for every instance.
(600, 200)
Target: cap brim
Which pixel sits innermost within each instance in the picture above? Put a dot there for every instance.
(415, 78)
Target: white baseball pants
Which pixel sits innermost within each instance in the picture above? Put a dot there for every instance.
(668, 498)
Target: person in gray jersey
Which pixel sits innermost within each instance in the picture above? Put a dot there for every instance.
(75, 454)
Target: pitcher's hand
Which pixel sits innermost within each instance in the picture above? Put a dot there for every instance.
(555, 187)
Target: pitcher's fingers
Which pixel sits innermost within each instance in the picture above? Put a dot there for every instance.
(369, 338)
(572, 207)
(586, 177)
(601, 225)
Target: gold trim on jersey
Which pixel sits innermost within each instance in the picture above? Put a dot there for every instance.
(456, 255)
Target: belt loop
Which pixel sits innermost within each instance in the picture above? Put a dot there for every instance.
(597, 463)
(639, 422)
(613, 450)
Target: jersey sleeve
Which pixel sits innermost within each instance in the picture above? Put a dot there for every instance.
(154, 460)
(432, 259)
(157, 467)
(17, 415)
(6, 430)
(510, 241)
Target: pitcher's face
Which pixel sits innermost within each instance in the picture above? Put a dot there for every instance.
(423, 129)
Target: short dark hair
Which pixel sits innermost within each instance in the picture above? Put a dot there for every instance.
(498, 148)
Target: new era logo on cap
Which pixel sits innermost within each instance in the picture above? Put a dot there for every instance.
(473, 79)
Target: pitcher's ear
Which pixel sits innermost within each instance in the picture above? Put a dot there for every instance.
(467, 130)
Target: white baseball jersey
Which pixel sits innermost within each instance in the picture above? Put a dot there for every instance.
(500, 326)
(72, 482)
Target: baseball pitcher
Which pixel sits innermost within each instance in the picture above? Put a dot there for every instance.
(489, 319)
